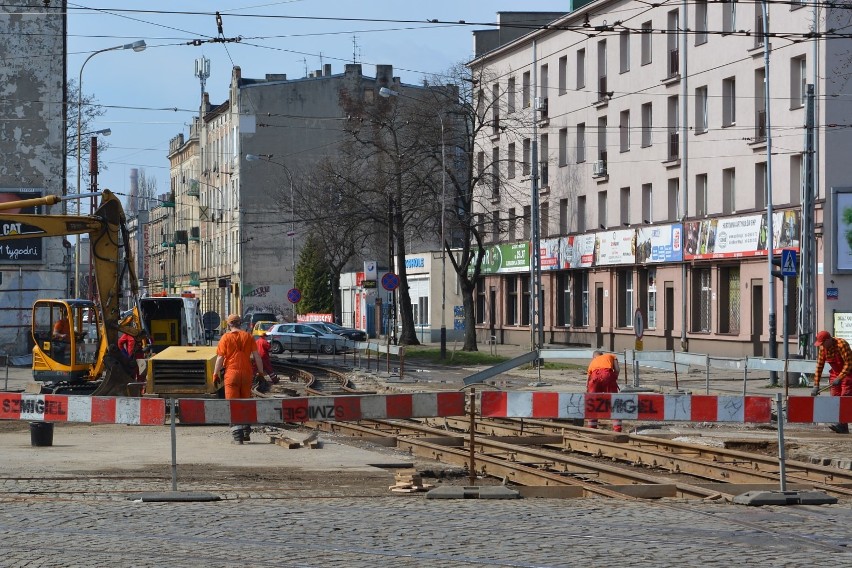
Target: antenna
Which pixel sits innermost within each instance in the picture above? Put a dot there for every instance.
(202, 71)
(305, 62)
(356, 51)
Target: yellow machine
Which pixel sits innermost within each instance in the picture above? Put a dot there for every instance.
(182, 371)
(76, 341)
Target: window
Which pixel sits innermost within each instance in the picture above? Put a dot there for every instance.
(673, 128)
(647, 203)
(480, 301)
(422, 314)
(624, 307)
(581, 69)
(602, 90)
(581, 142)
(646, 125)
(674, 199)
(543, 80)
(563, 299)
(544, 160)
(759, 105)
(700, 22)
(510, 95)
(480, 164)
(525, 300)
(797, 179)
(525, 93)
(729, 300)
(651, 308)
(527, 216)
(602, 210)
(581, 298)
(495, 226)
(495, 109)
(495, 173)
(602, 138)
(512, 225)
(624, 51)
(701, 195)
(544, 219)
(563, 74)
(798, 82)
(563, 147)
(647, 35)
(563, 216)
(760, 185)
(511, 300)
(526, 157)
(624, 130)
(510, 164)
(701, 110)
(673, 45)
(729, 16)
(581, 214)
(729, 204)
(760, 27)
(729, 102)
(702, 306)
(625, 206)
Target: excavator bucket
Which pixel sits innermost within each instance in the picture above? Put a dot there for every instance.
(116, 375)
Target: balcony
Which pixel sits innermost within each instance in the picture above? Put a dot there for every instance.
(195, 234)
(193, 190)
(181, 237)
(169, 200)
(194, 279)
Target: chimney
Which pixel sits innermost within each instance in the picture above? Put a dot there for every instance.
(326, 70)
(133, 198)
(384, 75)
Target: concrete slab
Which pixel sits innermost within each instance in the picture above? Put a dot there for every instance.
(473, 492)
(760, 498)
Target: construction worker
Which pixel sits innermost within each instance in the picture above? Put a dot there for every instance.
(132, 350)
(61, 337)
(260, 382)
(603, 378)
(233, 367)
(836, 352)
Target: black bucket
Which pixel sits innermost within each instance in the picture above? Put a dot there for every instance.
(41, 433)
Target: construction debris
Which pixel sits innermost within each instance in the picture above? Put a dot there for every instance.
(409, 481)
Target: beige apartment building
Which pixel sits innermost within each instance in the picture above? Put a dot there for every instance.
(654, 150)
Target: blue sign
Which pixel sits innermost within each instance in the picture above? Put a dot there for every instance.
(390, 281)
(294, 295)
(789, 262)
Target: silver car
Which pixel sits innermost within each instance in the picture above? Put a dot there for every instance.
(299, 337)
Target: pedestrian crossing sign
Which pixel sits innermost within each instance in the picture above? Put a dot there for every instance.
(789, 262)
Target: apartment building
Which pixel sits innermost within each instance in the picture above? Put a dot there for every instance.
(657, 153)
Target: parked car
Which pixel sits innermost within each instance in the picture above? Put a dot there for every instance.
(262, 326)
(347, 332)
(300, 337)
(249, 319)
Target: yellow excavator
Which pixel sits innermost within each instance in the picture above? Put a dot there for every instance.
(76, 341)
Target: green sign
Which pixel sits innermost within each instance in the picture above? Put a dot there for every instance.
(501, 259)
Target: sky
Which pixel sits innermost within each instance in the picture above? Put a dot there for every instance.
(151, 96)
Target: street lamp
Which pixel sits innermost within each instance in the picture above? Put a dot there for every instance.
(135, 46)
(292, 232)
(385, 92)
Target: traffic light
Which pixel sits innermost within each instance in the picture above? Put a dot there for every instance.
(776, 266)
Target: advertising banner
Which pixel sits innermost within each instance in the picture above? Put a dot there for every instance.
(577, 251)
(744, 236)
(659, 243)
(18, 250)
(616, 247)
(550, 254)
(502, 259)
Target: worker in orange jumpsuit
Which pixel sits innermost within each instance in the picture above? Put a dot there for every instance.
(235, 352)
(61, 336)
(836, 352)
(603, 377)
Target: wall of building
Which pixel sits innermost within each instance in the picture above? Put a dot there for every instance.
(32, 156)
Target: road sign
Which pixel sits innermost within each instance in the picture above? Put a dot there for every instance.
(390, 281)
(294, 295)
(789, 262)
(638, 324)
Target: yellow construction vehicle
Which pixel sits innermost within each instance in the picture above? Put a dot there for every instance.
(76, 341)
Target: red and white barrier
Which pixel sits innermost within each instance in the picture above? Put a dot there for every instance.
(321, 408)
(624, 406)
(819, 409)
(85, 409)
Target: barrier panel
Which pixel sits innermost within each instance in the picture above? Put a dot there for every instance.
(321, 408)
(636, 406)
(85, 409)
(809, 409)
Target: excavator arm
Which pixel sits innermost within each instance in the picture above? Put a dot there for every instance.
(108, 238)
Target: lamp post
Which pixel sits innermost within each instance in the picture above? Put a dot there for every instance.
(385, 92)
(292, 232)
(135, 46)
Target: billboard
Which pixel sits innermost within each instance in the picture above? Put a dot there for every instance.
(616, 247)
(660, 243)
(742, 236)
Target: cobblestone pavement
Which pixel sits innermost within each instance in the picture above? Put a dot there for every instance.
(412, 531)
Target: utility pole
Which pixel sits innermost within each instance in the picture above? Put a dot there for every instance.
(770, 232)
(536, 326)
(807, 275)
